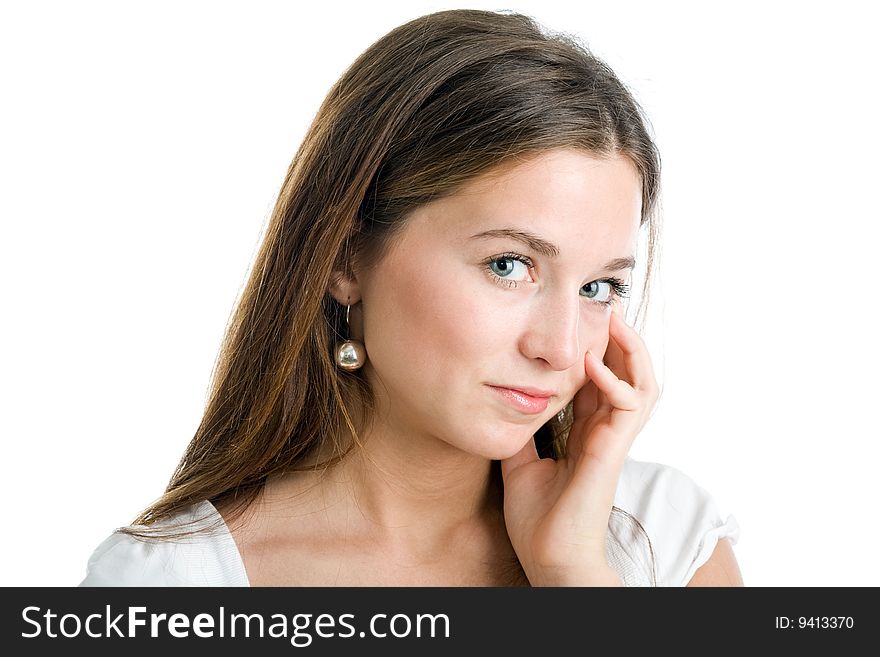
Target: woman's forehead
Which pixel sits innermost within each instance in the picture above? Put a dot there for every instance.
(559, 198)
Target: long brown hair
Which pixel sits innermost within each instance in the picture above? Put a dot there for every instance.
(428, 107)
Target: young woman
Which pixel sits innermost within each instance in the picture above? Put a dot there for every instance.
(428, 379)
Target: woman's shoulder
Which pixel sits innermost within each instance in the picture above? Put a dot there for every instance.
(208, 557)
(681, 520)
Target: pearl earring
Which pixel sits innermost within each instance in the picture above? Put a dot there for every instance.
(351, 354)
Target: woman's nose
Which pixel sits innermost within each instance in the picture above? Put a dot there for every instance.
(552, 332)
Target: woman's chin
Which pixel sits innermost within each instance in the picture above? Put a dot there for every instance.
(501, 444)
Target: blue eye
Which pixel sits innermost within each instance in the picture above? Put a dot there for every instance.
(509, 269)
(616, 288)
(591, 291)
(503, 267)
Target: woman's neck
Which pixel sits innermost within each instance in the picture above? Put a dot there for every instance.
(416, 500)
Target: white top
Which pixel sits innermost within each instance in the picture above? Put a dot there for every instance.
(680, 519)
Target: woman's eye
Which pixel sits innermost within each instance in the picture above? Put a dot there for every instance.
(600, 291)
(509, 269)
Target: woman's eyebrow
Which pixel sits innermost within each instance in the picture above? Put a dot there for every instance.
(618, 264)
(546, 248)
(531, 240)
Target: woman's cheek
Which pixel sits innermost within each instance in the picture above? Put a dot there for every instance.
(470, 325)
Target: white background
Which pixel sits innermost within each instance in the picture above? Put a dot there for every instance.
(141, 149)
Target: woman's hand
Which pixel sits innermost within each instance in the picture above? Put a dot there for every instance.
(557, 512)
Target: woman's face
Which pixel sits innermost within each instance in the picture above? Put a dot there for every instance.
(470, 301)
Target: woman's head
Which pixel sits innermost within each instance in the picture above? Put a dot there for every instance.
(455, 123)
(504, 284)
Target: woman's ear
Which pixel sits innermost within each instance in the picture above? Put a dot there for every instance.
(344, 288)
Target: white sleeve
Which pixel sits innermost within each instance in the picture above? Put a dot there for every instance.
(122, 560)
(682, 519)
(208, 558)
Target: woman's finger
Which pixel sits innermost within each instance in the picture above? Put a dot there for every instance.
(620, 394)
(614, 357)
(587, 400)
(633, 352)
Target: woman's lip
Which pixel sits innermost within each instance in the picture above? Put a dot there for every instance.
(526, 390)
(523, 402)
